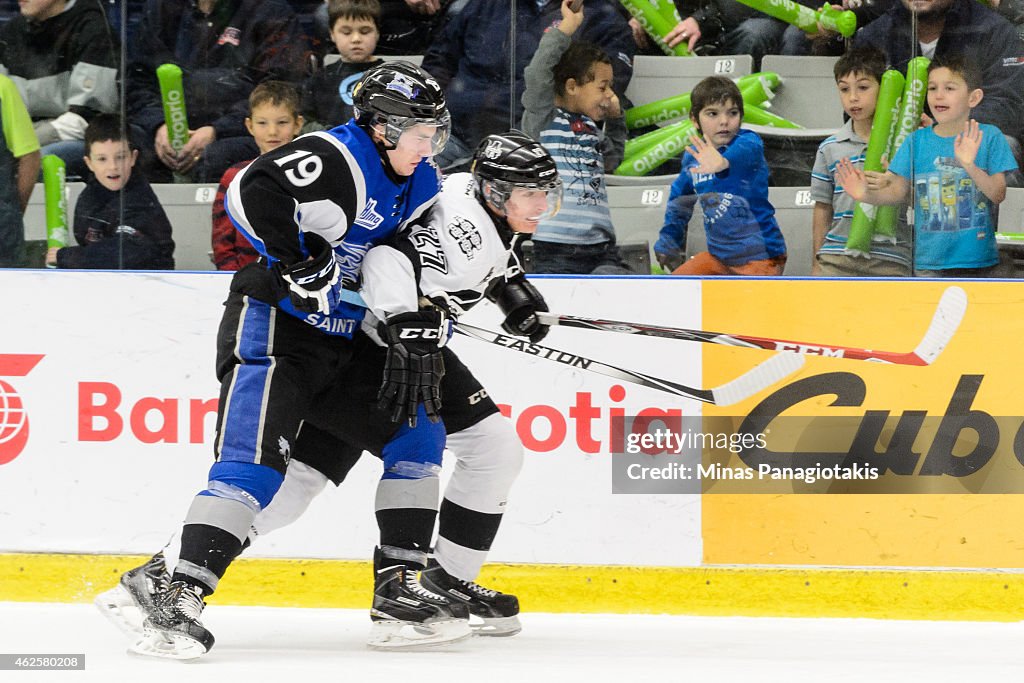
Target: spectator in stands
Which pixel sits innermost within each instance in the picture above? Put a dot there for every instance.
(858, 76)
(957, 170)
(471, 55)
(119, 223)
(273, 120)
(948, 27)
(327, 95)
(61, 55)
(724, 168)
(726, 27)
(19, 168)
(407, 27)
(568, 94)
(796, 42)
(225, 48)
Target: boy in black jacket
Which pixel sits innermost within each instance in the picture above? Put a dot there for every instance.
(138, 239)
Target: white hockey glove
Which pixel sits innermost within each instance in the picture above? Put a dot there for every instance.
(414, 365)
(314, 285)
(519, 301)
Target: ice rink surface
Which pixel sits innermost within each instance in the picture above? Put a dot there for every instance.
(256, 644)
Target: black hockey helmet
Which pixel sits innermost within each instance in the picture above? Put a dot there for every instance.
(509, 160)
(400, 95)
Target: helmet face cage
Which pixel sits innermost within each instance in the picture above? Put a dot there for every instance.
(395, 126)
(499, 192)
(515, 160)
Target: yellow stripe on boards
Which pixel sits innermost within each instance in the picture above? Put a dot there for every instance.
(710, 591)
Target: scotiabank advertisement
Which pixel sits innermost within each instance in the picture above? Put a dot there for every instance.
(666, 421)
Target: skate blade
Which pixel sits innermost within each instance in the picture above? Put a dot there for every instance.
(118, 607)
(495, 627)
(407, 635)
(167, 646)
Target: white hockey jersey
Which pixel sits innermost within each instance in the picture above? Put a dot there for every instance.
(452, 254)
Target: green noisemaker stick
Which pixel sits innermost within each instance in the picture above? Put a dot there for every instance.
(804, 18)
(887, 107)
(678, 106)
(667, 109)
(637, 145)
(843, 22)
(173, 94)
(656, 24)
(915, 89)
(652, 156)
(54, 173)
(668, 10)
(759, 117)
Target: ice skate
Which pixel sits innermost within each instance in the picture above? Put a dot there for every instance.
(173, 630)
(131, 601)
(490, 613)
(407, 616)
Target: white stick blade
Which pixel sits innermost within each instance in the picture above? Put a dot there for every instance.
(776, 368)
(951, 310)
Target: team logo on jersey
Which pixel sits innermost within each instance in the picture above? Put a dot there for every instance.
(466, 236)
(231, 36)
(368, 217)
(404, 85)
(493, 149)
(13, 416)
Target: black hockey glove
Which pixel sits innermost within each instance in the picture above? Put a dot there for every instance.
(314, 285)
(414, 365)
(519, 301)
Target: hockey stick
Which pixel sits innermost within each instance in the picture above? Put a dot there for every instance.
(764, 375)
(950, 311)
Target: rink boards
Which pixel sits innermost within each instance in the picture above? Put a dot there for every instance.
(107, 412)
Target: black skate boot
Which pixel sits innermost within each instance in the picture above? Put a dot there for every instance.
(174, 630)
(491, 613)
(405, 615)
(131, 601)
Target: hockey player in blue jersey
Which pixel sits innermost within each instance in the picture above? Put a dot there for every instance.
(313, 208)
(465, 249)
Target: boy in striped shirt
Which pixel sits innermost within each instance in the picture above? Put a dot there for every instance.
(567, 97)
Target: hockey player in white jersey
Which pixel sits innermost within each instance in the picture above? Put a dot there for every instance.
(464, 251)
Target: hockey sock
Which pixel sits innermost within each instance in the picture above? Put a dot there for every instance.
(407, 528)
(206, 552)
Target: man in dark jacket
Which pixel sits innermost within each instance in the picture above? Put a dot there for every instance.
(960, 27)
(224, 48)
(471, 58)
(61, 56)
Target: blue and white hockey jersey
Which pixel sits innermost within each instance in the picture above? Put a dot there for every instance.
(331, 183)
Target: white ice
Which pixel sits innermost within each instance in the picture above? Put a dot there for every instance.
(256, 644)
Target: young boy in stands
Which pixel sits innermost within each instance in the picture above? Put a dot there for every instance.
(568, 95)
(119, 223)
(19, 168)
(858, 76)
(327, 95)
(958, 169)
(725, 169)
(273, 120)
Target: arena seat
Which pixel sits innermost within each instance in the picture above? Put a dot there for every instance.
(188, 207)
(415, 59)
(637, 214)
(807, 94)
(793, 211)
(657, 77)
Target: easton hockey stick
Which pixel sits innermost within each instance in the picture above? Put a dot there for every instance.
(760, 377)
(951, 309)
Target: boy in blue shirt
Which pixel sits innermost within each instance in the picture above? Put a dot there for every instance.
(957, 168)
(726, 170)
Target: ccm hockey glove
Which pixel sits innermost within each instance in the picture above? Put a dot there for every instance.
(314, 285)
(519, 301)
(414, 365)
